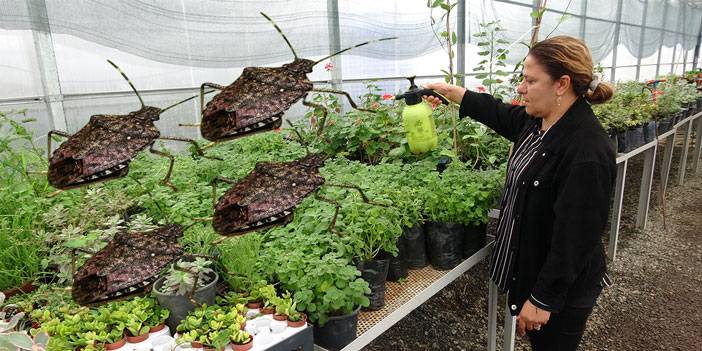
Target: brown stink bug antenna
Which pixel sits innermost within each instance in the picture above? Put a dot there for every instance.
(281, 34)
(355, 46)
(128, 81)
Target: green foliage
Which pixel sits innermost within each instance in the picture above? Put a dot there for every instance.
(22, 201)
(212, 325)
(493, 54)
(462, 196)
(187, 276)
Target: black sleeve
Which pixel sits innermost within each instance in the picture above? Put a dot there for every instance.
(505, 119)
(581, 211)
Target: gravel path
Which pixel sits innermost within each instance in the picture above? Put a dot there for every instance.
(658, 279)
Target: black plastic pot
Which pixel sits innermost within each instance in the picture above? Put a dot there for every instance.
(650, 131)
(397, 268)
(473, 239)
(630, 140)
(613, 138)
(444, 244)
(375, 272)
(180, 305)
(415, 243)
(338, 332)
(665, 124)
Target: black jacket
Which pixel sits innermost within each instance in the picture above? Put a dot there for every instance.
(562, 207)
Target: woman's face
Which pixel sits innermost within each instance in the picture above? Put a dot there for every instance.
(538, 90)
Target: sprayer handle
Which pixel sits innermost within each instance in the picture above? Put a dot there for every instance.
(429, 92)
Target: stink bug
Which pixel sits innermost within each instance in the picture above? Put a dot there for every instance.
(104, 147)
(256, 101)
(268, 195)
(127, 266)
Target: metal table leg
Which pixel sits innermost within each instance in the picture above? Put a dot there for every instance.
(510, 328)
(665, 165)
(683, 156)
(617, 209)
(698, 148)
(646, 182)
(492, 317)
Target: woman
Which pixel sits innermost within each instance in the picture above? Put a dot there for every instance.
(548, 254)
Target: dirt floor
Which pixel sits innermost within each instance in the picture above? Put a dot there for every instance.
(652, 305)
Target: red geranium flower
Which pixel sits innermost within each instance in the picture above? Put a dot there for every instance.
(516, 102)
(481, 89)
(388, 97)
(328, 66)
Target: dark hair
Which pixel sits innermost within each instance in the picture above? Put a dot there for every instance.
(568, 56)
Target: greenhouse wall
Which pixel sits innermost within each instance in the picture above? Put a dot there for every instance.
(52, 57)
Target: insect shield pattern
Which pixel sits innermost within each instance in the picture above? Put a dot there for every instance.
(257, 100)
(127, 265)
(267, 195)
(104, 147)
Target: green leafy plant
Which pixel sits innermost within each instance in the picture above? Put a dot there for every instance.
(491, 68)
(186, 276)
(13, 339)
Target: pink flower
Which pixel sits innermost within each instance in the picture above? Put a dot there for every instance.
(388, 97)
(516, 102)
(277, 130)
(329, 66)
(481, 89)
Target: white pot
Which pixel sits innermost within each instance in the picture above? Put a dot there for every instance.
(163, 343)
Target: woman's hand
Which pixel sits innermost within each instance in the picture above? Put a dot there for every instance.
(531, 318)
(451, 92)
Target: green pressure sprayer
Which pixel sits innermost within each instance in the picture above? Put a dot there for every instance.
(417, 119)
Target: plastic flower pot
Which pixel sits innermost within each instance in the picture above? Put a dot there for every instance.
(163, 343)
(297, 324)
(116, 345)
(444, 244)
(415, 243)
(280, 317)
(631, 139)
(474, 239)
(375, 272)
(267, 310)
(613, 138)
(650, 131)
(179, 305)
(254, 304)
(157, 328)
(665, 124)
(137, 339)
(338, 332)
(243, 347)
(397, 267)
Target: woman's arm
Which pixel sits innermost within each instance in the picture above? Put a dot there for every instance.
(505, 119)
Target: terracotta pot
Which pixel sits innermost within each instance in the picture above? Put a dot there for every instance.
(157, 328)
(268, 310)
(243, 347)
(210, 348)
(117, 344)
(254, 304)
(280, 317)
(196, 344)
(301, 323)
(137, 339)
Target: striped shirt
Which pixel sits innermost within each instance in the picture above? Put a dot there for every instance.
(502, 259)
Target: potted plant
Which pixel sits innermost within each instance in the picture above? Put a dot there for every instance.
(186, 281)
(296, 318)
(269, 297)
(241, 340)
(157, 321)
